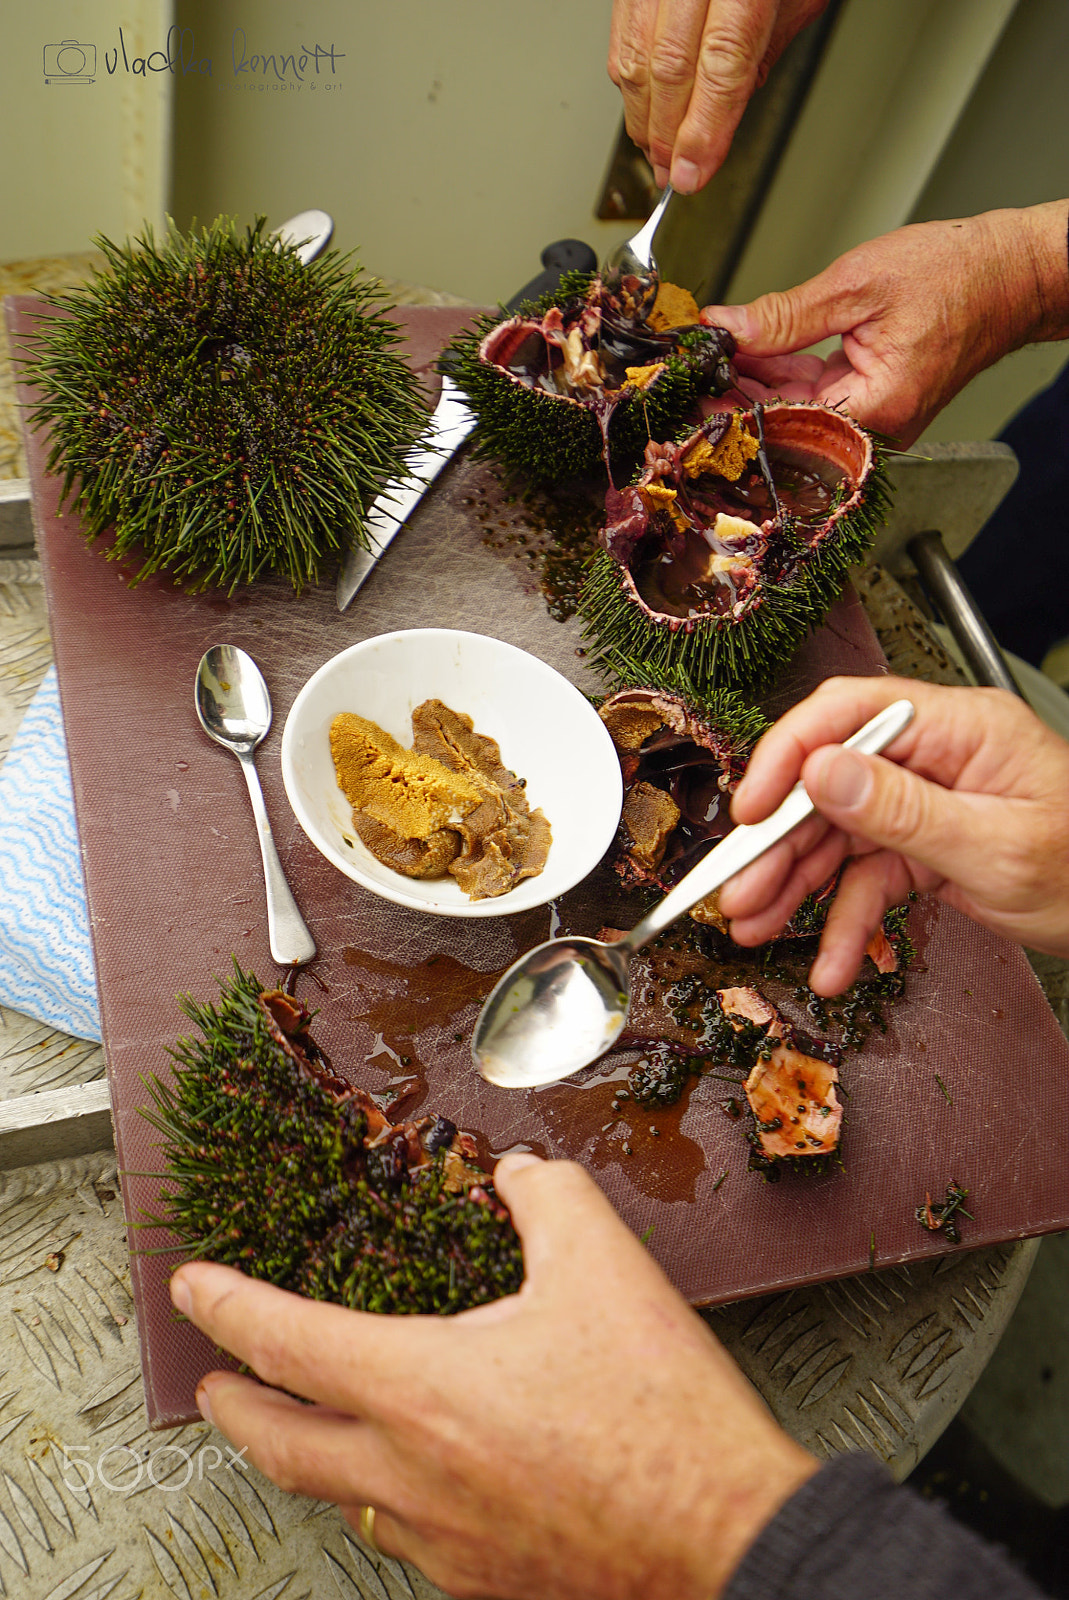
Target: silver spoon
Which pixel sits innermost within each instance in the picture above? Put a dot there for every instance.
(635, 255)
(564, 1003)
(310, 231)
(234, 709)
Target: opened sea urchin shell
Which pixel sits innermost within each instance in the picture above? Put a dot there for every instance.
(723, 554)
(585, 376)
(680, 765)
(276, 1165)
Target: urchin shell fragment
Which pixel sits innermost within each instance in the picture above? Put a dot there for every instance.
(702, 569)
(584, 377)
(790, 1089)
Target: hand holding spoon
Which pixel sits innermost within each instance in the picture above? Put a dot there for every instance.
(565, 1002)
(234, 709)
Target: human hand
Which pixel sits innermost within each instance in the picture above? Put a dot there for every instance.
(585, 1438)
(687, 69)
(969, 804)
(920, 311)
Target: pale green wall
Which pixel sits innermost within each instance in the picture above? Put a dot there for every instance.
(463, 136)
(1011, 148)
(460, 136)
(80, 158)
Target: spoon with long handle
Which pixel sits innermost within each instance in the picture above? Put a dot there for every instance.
(635, 255)
(565, 1002)
(234, 709)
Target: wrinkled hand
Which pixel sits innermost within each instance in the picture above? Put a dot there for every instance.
(585, 1438)
(968, 804)
(687, 68)
(920, 312)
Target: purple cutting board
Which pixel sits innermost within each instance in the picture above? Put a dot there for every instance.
(174, 887)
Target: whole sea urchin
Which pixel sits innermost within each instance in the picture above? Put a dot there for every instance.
(280, 1168)
(586, 375)
(733, 543)
(230, 409)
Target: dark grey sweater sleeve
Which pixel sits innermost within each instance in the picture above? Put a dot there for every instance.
(850, 1533)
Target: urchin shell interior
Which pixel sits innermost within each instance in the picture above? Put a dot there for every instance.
(681, 759)
(705, 568)
(229, 409)
(582, 378)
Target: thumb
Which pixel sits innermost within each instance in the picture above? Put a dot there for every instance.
(894, 809)
(566, 1225)
(785, 321)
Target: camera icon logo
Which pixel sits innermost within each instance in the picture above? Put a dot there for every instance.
(70, 62)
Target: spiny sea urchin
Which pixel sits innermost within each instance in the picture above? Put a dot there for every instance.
(280, 1168)
(717, 561)
(584, 376)
(681, 757)
(230, 409)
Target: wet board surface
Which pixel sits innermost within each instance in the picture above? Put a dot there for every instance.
(175, 887)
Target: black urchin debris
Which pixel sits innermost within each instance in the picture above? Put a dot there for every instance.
(231, 410)
(280, 1168)
(579, 380)
(732, 543)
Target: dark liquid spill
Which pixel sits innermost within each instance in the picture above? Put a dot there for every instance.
(680, 582)
(664, 1164)
(412, 1011)
(805, 488)
(554, 535)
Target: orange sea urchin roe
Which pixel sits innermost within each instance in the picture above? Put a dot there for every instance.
(448, 805)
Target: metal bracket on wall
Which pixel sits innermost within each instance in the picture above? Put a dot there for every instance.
(16, 522)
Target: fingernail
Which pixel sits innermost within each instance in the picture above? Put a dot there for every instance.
(733, 318)
(844, 781)
(181, 1296)
(204, 1404)
(686, 177)
(517, 1159)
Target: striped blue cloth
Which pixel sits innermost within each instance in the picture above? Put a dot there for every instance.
(46, 954)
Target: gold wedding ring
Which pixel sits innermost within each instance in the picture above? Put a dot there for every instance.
(365, 1527)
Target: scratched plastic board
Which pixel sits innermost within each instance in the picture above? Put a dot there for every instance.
(174, 887)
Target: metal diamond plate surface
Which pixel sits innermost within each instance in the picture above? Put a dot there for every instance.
(91, 1503)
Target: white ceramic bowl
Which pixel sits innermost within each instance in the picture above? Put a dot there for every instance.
(547, 731)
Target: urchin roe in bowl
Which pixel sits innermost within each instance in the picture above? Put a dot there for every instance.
(448, 805)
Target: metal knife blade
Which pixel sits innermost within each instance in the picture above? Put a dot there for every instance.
(449, 427)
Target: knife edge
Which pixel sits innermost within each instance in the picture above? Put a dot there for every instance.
(449, 427)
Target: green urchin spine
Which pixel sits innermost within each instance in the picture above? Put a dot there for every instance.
(264, 1173)
(727, 653)
(230, 410)
(724, 711)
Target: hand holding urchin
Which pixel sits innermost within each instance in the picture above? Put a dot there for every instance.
(231, 410)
